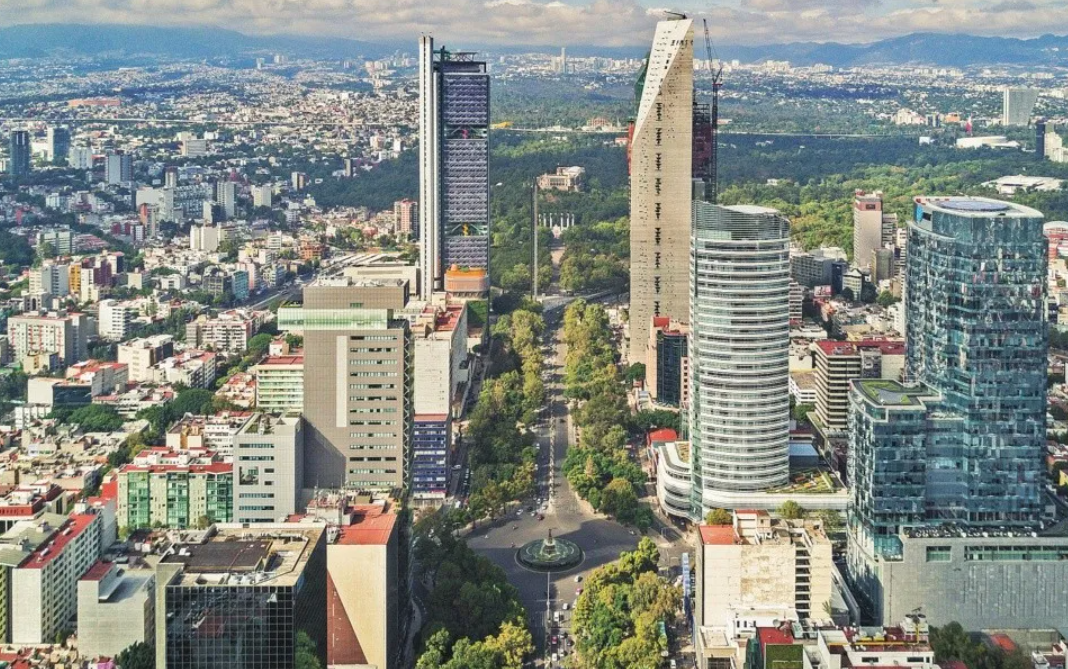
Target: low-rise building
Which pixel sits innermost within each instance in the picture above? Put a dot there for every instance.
(673, 472)
(174, 489)
(280, 383)
(227, 332)
(192, 368)
(839, 362)
(215, 432)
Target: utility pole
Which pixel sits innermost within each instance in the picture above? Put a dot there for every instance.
(534, 268)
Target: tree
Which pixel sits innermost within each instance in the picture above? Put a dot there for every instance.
(258, 345)
(800, 412)
(719, 517)
(886, 298)
(97, 418)
(139, 655)
(790, 510)
(636, 372)
(305, 656)
(831, 519)
(512, 645)
(847, 295)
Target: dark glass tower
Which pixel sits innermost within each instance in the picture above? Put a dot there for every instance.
(19, 153)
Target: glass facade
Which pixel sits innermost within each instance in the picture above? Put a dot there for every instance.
(670, 352)
(430, 457)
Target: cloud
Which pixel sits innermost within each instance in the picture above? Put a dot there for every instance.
(561, 22)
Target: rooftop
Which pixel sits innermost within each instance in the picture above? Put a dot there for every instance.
(976, 207)
(372, 525)
(891, 393)
(885, 346)
(234, 556)
(70, 531)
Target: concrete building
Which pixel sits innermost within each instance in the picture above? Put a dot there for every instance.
(21, 540)
(118, 168)
(674, 470)
(191, 367)
(947, 472)
(50, 279)
(280, 383)
(260, 587)
(739, 349)
(872, 227)
(760, 562)
(61, 240)
(226, 332)
(262, 196)
(357, 383)
(182, 493)
(139, 355)
(1017, 105)
(44, 588)
(567, 179)
(204, 238)
(114, 320)
(362, 608)
(226, 196)
(824, 266)
(454, 116)
(269, 456)
(116, 609)
(439, 338)
(797, 300)
(214, 432)
(837, 363)
(58, 141)
(406, 217)
(58, 332)
(661, 171)
(194, 148)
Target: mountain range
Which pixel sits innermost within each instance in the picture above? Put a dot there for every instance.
(124, 41)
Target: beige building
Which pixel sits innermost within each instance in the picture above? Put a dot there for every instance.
(761, 563)
(872, 227)
(116, 609)
(839, 362)
(357, 383)
(280, 383)
(661, 173)
(140, 354)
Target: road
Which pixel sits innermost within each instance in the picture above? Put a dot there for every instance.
(600, 539)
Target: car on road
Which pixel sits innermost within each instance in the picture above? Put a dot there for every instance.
(555, 640)
(457, 468)
(579, 591)
(556, 657)
(578, 578)
(541, 516)
(566, 606)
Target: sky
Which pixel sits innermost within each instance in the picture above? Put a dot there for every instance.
(564, 22)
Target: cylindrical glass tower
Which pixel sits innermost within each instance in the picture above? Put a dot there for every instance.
(739, 353)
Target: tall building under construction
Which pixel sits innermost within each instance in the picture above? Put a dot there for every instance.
(661, 173)
(454, 94)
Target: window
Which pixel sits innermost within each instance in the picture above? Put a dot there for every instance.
(939, 553)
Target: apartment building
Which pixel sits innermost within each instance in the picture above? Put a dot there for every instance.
(139, 355)
(839, 362)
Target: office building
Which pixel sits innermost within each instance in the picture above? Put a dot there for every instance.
(118, 168)
(947, 470)
(280, 383)
(140, 354)
(1017, 105)
(357, 383)
(263, 195)
(116, 608)
(674, 486)
(667, 370)
(19, 152)
(838, 363)
(454, 116)
(238, 597)
(739, 418)
(758, 563)
(298, 180)
(114, 320)
(872, 227)
(824, 266)
(661, 170)
(58, 144)
(406, 217)
(59, 332)
(175, 489)
(226, 196)
(431, 440)
(44, 588)
(269, 456)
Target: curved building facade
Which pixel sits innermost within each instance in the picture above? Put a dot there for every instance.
(739, 353)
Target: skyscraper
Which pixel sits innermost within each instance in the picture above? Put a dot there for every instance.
(226, 196)
(661, 172)
(118, 168)
(454, 91)
(19, 153)
(58, 143)
(947, 468)
(357, 383)
(739, 419)
(1017, 105)
(873, 229)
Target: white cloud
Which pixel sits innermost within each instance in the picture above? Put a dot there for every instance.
(560, 23)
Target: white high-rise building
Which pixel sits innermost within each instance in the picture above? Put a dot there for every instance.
(661, 174)
(115, 320)
(262, 195)
(873, 229)
(118, 168)
(1017, 105)
(226, 196)
(739, 349)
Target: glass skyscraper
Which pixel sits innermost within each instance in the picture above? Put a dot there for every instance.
(739, 415)
(454, 91)
(19, 163)
(961, 442)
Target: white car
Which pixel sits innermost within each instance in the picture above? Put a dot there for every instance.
(566, 606)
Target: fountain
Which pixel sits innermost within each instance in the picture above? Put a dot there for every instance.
(549, 554)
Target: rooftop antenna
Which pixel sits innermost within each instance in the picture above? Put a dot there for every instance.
(675, 16)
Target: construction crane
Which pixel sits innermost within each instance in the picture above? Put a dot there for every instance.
(712, 192)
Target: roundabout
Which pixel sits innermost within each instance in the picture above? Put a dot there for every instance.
(549, 554)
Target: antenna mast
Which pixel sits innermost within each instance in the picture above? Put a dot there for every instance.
(712, 192)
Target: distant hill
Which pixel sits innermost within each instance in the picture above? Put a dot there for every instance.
(58, 39)
(124, 41)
